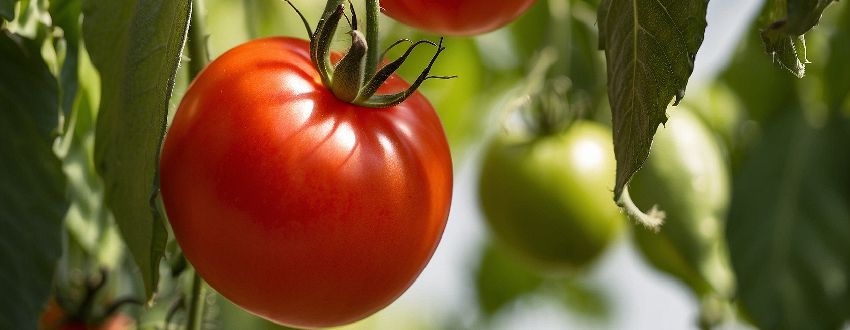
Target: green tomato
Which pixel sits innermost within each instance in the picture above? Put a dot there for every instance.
(550, 198)
(687, 178)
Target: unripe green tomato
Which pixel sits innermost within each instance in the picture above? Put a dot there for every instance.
(687, 178)
(550, 198)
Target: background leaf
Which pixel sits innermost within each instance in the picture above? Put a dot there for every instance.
(7, 9)
(785, 23)
(136, 47)
(650, 48)
(66, 15)
(837, 83)
(762, 89)
(586, 299)
(501, 279)
(788, 228)
(32, 186)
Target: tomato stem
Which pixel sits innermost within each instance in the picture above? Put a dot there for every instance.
(373, 9)
(198, 53)
(199, 60)
(652, 220)
(356, 78)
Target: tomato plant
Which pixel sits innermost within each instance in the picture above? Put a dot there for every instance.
(456, 17)
(310, 184)
(687, 177)
(549, 197)
(298, 206)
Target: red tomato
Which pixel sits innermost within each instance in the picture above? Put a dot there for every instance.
(456, 17)
(300, 208)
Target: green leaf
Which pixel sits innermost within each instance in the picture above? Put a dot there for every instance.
(788, 229)
(761, 88)
(650, 47)
(501, 279)
(88, 221)
(586, 299)
(32, 186)
(837, 68)
(787, 22)
(7, 9)
(66, 15)
(136, 46)
(23, 69)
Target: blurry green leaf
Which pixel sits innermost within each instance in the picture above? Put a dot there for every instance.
(136, 46)
(586, 299)
(587, 66)
(32, 186)
(531, 31)
(28, 84)
(787, 21)
(7, 9)
(788, 229)
(838, 67)
(88, 220)
(66, 15)
(650, 47)
(501, 279)
(760, 87)
(803, 15)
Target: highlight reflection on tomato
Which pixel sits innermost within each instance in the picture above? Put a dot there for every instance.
(299, 207)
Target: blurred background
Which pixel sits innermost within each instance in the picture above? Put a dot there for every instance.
(475, 281)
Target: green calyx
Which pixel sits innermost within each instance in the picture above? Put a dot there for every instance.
(357, 77)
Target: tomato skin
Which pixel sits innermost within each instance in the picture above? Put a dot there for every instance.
(298, 207)
(550, 198)
(455, 17)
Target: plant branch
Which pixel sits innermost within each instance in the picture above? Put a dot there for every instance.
(196, 304)
(198, 54)
(199, 59)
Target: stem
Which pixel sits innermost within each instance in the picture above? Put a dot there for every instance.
(373, 9)
(197, 40)
(561, 37)
(196, 305)
(199, 59)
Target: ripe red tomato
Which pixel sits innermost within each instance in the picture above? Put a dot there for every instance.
(455, 17)
(301, 208)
